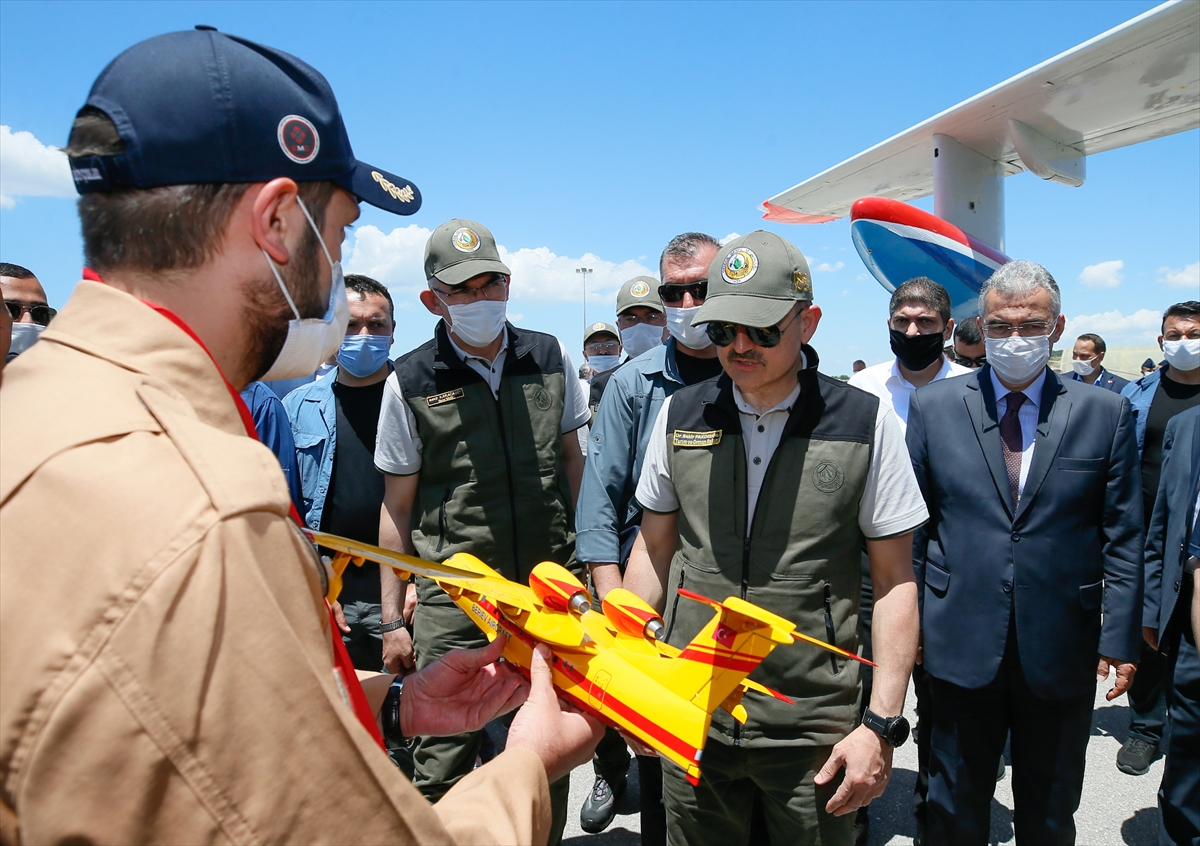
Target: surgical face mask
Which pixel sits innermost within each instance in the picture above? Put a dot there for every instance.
(311, 341)
(24, 336)
(362, 355)
(604, 362)
(1018, 360)
(916, 352)
(679, 324)
(478, 323)
(1084, 366)
(640, 338)
(1183, 354)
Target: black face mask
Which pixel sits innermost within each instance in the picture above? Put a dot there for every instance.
(916, 352)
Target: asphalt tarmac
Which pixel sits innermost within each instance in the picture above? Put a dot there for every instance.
(1115, 809)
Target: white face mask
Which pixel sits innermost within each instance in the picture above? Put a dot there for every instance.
(311, 341)
(604, 362)
(1018, 360)
(1183, 354)
(478, 323)
(679, 324)
(24, 336)
(641, 337)
(1084, 366)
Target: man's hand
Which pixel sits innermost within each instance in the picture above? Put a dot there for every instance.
(561, 736)
(462, 691)
(399, 654)
(1150, 636)
(339, 617)
(638, 747)
(1125, 671)
(868, 763)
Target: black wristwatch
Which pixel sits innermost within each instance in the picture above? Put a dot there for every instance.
(893, 730)
(390, 716)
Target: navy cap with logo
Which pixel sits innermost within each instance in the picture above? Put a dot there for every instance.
(201, 106)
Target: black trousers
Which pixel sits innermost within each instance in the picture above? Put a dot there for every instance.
(1179, 795)
(1049, 747)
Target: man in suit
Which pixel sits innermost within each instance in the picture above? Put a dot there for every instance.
(1087, 364)
(1035, 524)
(1170, 621)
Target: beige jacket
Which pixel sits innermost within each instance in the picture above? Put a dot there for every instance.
(166, 668)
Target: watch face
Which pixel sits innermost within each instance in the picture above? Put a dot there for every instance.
(898, 732)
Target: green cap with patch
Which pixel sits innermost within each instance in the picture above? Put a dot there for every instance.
(597, 328)
(461, 249)
(639, 291)
(755, 280)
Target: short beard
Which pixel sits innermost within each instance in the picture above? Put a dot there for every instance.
(266, 313)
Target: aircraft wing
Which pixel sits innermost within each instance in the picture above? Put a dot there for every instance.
(1136, 82)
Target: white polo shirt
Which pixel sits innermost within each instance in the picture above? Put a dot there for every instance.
(888, 383)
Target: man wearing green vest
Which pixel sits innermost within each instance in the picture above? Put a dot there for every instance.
(477, 441)
(764, 484)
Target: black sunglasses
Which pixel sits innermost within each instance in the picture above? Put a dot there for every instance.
(40, 313)
(723, 333)
(674, 293)
(966, 360)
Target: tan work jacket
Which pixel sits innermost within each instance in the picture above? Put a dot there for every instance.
(166, 668)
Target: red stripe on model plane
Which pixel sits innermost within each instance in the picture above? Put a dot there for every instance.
(725, 662)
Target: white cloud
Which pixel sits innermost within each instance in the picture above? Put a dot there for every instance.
(729, 238)
(397, 260)
(826, 267)
(1116, 328)
(1188, 277)
(28, 168)
(1106, 274)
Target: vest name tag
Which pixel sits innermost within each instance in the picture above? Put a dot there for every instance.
(696, 439)
(443, 398)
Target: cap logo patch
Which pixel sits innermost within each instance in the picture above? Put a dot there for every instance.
(802, 282)
(404, 195)
(639, 289)
(597, 327)
(465, 240)
(740, 265)
(298, 139)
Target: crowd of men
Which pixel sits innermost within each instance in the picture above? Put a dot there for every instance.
(1004, 535)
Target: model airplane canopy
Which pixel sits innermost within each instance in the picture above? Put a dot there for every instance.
(1136, 82)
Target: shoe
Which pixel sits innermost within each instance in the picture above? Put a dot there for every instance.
(1136, 756)
(862, 827)
(600, 807)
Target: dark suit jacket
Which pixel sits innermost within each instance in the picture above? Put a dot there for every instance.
(1171, 526)
(1106, 380)
(1074, 545)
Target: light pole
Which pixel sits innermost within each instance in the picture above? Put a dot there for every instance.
(584, 271)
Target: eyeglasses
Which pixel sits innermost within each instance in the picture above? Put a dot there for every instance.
(493, 289)
(42, 314)
(723, 333)
(653, 318)
(674, 293)
(966, 360)
(602, 347)
(1032, 329)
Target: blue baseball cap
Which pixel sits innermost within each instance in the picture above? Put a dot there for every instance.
(201, 106)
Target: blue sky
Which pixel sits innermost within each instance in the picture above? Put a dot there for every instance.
(589, 134)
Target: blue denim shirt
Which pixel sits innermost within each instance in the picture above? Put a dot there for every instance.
(313, 414)
(616, 449)
(1140, 394)
(271, 424)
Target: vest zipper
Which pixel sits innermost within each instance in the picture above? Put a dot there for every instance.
(830, 636)
(442, 519)
(675, 604)
(512, 494)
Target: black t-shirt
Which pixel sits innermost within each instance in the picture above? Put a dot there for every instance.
(693, 370)
(1169, 399)
(355, 485)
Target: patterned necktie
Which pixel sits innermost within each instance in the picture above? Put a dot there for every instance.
(1010, 437)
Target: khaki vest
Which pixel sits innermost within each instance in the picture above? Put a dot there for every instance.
(801, 558)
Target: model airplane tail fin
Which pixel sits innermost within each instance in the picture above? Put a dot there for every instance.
(736, 640)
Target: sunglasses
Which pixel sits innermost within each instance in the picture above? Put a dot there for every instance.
(723, 333)
(40, 313)
(966, 360)
(674, 293)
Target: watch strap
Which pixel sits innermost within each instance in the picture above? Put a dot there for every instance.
(392, 626)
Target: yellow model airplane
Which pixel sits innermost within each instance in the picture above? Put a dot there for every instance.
(611, 664)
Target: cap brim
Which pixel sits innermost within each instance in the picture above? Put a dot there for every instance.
(456, 274)
(745, 309)
(382, 189)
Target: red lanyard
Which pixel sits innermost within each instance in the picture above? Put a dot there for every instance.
(342, 664)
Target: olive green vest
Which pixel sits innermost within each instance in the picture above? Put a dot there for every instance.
(491, 479)
(802, 558)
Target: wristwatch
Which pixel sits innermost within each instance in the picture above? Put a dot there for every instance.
(392, 626)
(893, 730)
(390, 716)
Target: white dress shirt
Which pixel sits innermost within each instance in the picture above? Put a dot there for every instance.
(1027, 415)
(888, 383)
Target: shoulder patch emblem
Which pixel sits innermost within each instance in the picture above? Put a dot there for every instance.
(443, 398)
(740, 265)
(298, 139)
(542, 399)
(681, 438)
(465, 240)
(828, 476)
